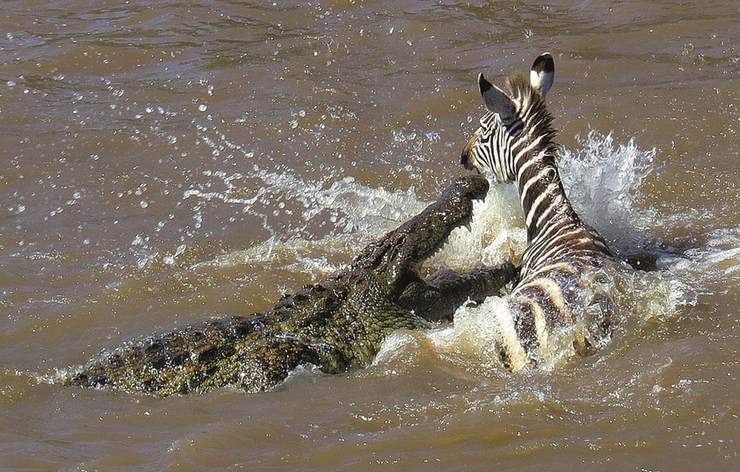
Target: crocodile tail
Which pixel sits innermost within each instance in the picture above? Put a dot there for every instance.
(178, 361)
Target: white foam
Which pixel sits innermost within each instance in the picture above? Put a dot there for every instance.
(632, 298)
(474, 331)
(603, 181)
(717, 261)
(495, 235)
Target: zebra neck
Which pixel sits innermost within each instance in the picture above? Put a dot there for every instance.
(541, 193)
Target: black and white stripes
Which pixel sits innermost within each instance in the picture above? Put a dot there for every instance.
(515, 143)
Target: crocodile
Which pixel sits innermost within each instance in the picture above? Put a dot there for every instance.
(337, 325)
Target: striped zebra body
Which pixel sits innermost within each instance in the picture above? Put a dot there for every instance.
(515, 143)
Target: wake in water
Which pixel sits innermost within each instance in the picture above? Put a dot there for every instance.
(603, 180)
(609, 199)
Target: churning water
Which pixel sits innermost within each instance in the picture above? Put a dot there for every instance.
(163, 166)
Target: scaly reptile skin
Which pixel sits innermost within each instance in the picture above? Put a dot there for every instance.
(336, 325)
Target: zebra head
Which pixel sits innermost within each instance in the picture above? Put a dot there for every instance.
(510, 121)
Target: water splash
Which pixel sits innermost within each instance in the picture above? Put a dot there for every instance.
(633, 299)
(357, 214)
(714, 266)
(603, 181)
(495, 235)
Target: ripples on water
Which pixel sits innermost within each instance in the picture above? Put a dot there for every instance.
(166, 165)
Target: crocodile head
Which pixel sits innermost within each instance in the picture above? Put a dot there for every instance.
(394, 259)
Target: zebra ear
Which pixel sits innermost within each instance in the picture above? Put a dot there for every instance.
(542, 74)
(495, 99)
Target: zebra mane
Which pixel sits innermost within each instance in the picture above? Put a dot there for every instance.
(532, 110)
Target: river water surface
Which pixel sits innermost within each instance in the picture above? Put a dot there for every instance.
(165, 162)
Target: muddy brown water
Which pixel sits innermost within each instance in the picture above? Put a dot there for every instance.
(164, 163)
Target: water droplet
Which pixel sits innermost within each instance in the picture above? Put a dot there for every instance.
(202, 107)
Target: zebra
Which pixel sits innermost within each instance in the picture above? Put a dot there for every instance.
(516, 143)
